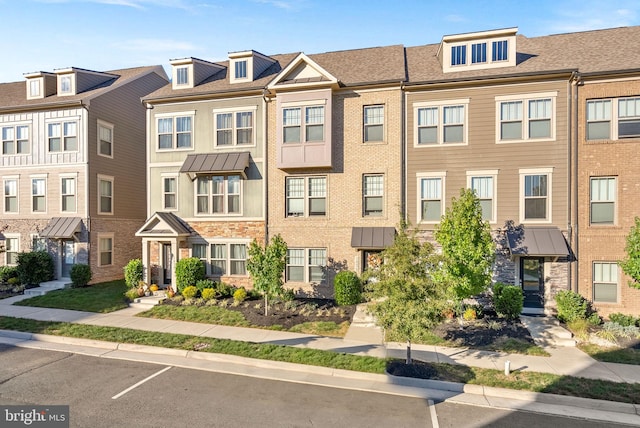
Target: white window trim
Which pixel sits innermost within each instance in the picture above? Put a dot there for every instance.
(174, 175)
(110, 126)
(468, 65)
(62, 121)
(106, 236)
(525, 98)
(384, 123)
(40, 82)
(306, 197)
(593, 288)
(232, 70)
(227, 242)
(34, 236)
(46, 191)
(537, 171)
(15, 178)
(306, 265)
(72, 86)
(234, 110)
(189, 70)
(615, 201)
(15, 125)
(174, 138)
(75, 177)
(493, 173)
(6, 253)
(614, 121)
(226, 195)
(440, 129)
(383, 196)
(113, 192)
(419, 176)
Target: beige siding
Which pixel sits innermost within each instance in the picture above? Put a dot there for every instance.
(484, 152)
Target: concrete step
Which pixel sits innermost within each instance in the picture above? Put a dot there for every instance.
(546, 331)
(147, 302)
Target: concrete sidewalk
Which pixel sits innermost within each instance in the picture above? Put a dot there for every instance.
(563, 361)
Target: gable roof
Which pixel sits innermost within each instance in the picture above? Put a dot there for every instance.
(13, 96)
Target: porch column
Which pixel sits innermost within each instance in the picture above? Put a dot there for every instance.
(174, 260)
(146, 262)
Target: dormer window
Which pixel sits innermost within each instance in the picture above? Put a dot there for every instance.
(241, 69)
(182, 75)
(65, 84)
(477, 51)
(34, 88)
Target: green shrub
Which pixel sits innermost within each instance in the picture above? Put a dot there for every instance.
(347, 288)
(80, 275)
(35, 267)
(189, 271)
(8, 272)
(622, 319)
(13, 281)
(571, 306)
(131, 294)
(254, 294)
(224, 289)
(287, 295)
(240, 295)
(508, 300)
(208, 294)
(469, 314)
(204, 284)
(189, 292)
(133, 273)
(594, 319)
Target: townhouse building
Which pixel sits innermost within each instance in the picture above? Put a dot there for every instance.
(72, 166)
(207, 173)
(335, 161)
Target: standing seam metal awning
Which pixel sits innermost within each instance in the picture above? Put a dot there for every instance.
(537, 241)
(61, 227)
(216, 162)
(375, 238)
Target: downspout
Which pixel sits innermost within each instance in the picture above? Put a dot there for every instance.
(572, 181)
(403, 153)
(265, 156)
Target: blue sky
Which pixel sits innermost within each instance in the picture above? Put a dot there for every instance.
(43, 35)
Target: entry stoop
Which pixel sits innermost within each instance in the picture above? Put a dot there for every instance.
(148, 302)
(45, 287)
(363, 327)
(546, 331)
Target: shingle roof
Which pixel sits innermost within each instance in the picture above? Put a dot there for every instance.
(588, 52)
(14, 95)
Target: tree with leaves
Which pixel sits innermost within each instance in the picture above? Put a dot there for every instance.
(266, 266)
(631, 264)
(468, 250)
(406, 300)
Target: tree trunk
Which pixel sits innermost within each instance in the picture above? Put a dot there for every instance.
(409, 352)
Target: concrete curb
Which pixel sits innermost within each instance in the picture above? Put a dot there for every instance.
(457, 388)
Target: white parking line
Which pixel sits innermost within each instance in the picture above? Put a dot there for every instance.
(115, 397)
(434, 416)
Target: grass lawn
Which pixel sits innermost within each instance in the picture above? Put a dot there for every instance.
(529, 381)
(611, 355)
(104, 297)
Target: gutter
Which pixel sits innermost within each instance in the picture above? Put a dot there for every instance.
(478, 79)
(576, 82)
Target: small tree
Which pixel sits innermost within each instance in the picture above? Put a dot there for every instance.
(407, 300)
(266, 267)
(631, 264)
(133, 273)
(467, 247)
(189, 271)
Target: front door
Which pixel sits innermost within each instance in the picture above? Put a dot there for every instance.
(166, 263)
(532, 280)
(68, 257)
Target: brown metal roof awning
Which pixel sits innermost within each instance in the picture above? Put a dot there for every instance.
(373, 238)
(62, 227)
(537, 241)
(207, 163)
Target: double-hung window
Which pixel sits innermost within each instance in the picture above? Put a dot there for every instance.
(224, 258)
(218, 194)
(10, 195)
(105, 195)
(105, 139)
(234, 128)
(603, 200)
(306, 265)
(523, 118)
(483, 185)
(431, 200)
(441, 123)
(170, 193)
(12, 249)
(624, 113)
(303, 124)
(459, 55)
(598, 119)
(374, 123)
(605, 282)
(373, 195)
(240, 69)
(182, 75)
(500, 50)
(306, 196)
(175, 132)
(479, 53)
(39, 195)
(105, 248)
(68, 194)
(629, 117)
(536, 195)
(62, 136)
(15, 140)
